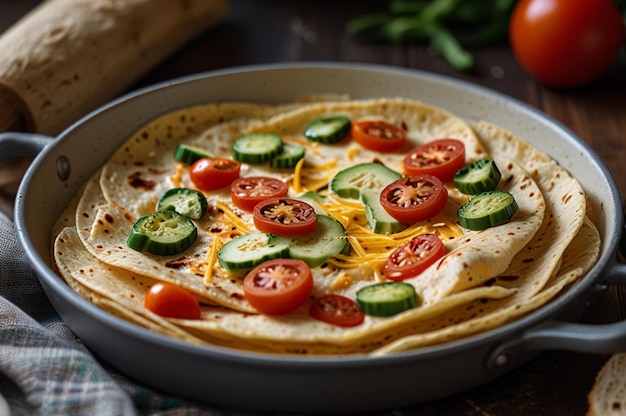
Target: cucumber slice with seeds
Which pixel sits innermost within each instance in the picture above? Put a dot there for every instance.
(478, 176)
(243, 253)
(386, 299)
(314, 248)
(257, 147)
(365, 182)
(289, 157)
(328, 130)
(188, 202)
(163, 233)
(190, 154)
(487, 209)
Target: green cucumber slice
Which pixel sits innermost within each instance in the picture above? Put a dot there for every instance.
(487, 209)
(243, 253)
(386, 299)
(315, 200)
(190, 154)
(257, 148)
(314, 248)
(289, 157)
(163, 233)
(478, 176)
(365, 182)
(328, 130)
(188, 202)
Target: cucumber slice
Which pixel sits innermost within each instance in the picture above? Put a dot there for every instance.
(487, 209)
(386, 299)
(478, 176)
(188, 202)
(243, 253)
(257, 147)
(289, 157)
(314, 248)
(163, 233)
(328, 130)
(313, 199)
(190, 154)
(365, 182)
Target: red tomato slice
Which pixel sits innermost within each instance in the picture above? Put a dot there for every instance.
(248, 191)
(414, 198)
(209, 174)
(378, 135)
(278, 286)
(337, 310)
(284, 216)
(440, 158)
(172, 301)
(413, 257)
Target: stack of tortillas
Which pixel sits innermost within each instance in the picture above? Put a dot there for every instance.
(67, 57)
(608, 396)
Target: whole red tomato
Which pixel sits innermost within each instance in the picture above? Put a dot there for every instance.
(566, 43)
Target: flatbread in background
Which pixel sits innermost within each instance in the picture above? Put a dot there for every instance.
(608, 395)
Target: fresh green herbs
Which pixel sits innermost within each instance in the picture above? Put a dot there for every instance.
(449, 26)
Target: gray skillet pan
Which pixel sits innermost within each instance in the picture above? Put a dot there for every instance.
(225, 377)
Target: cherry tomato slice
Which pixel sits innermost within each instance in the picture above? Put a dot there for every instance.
(209, 174)
(248, 191)
(414, 198)
(278, 286)
(413, 257)
(284, 216)
(171, 301)
(378, 135)
(337, 310)
(440, 158)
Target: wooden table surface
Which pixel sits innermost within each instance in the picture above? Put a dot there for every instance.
(267, 31)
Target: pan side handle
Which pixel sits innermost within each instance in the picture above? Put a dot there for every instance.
(566, 336)
(22, 144)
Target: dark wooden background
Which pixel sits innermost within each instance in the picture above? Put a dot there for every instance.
(267, 31)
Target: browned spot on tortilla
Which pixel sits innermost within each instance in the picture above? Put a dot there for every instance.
(178, 263)
(136, 181)
(566, 198)
(109, 218)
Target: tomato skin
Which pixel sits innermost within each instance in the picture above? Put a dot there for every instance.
(278, 286)
(413, 257)
(248, 191)
(414, 198)
(378, 135)
(337, 310)
(171, 301)
(566, 43)
(209, 174)
(284, 216)
(440, 158)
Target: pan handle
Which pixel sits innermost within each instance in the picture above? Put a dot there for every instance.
(13, 144)
(566, 336)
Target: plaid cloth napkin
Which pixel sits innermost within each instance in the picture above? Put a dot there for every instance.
(45, 370)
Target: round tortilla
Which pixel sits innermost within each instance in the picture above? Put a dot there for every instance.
(493, 271)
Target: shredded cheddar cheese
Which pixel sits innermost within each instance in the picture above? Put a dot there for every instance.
(370, 250)
(297, 177)
(211, 258)
(236, 222)
(176, 178)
